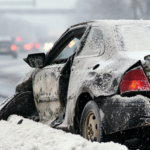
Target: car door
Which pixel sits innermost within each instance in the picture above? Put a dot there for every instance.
(48, 95)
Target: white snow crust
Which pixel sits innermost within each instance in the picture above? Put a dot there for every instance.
(134, 37)
(30, 135)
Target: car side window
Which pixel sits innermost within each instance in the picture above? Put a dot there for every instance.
(94, 44)
(65, 47)
(69, 49)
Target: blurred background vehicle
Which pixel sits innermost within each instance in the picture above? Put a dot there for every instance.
(8, 46)
(28, 46)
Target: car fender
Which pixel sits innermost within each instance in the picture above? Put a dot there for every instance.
(25, 84)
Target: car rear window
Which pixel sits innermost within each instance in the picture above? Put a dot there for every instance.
(134, 37)
(94, 44)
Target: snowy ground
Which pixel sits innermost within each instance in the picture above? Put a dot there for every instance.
(30, 135)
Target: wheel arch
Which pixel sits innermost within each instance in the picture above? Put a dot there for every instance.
(82, 100)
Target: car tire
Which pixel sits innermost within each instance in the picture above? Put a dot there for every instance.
(90, 123)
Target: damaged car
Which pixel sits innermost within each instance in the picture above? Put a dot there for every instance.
(95, 81)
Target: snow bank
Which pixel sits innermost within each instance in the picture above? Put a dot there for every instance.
(30, 135)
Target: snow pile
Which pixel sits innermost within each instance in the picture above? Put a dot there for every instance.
(30, 135)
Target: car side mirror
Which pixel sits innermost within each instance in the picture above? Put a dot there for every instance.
(35, 60)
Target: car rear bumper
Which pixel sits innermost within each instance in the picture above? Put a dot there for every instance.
(123, 113)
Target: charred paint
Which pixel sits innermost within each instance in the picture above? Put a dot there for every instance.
(46, 93)
(20, 104)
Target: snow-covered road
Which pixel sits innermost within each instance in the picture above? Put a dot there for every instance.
(30, 135)
(11, 71)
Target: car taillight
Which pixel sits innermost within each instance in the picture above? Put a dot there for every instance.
(37, 45)
(13, 47)
(134, 80)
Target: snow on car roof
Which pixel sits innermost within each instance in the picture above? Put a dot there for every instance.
(110, 22)
(30, 135)
(119, 22)
(125, 35)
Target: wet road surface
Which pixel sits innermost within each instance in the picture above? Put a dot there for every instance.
(11, 71)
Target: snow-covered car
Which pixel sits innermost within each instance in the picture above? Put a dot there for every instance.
(94, 82)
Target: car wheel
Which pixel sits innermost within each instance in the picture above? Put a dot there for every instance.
(90, 123)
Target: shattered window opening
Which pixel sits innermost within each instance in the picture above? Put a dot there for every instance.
(69, 49)
(94, 44)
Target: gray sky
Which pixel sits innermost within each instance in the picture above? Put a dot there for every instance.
(56, 24)
(40, 4)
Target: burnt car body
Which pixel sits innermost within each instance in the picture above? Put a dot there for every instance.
(109, 64)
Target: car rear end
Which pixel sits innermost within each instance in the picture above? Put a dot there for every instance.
(131, 106)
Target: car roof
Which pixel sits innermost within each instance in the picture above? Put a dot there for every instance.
(108, 28)
(82, 23)
(112, 22)
(121, 22)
